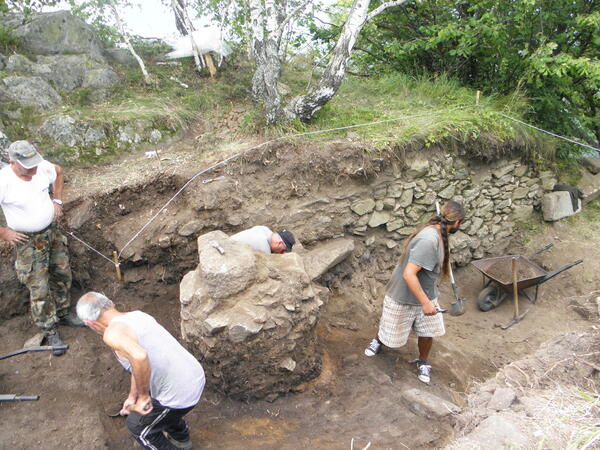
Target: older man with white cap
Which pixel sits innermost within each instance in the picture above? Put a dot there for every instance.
(31, 210)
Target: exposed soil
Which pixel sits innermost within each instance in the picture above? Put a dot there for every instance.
(355, 397)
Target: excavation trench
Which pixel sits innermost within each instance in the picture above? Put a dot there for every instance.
(353, 397)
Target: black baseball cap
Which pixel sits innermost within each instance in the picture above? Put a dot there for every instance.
(288, 239)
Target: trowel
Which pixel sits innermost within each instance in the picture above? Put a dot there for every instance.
(458, 307)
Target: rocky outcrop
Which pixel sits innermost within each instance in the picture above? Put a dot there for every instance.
(32, 92)
(4, 143)
(53, 33)
(250, 317)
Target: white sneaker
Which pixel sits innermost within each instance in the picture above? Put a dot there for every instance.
(424, 373)
(373, 348)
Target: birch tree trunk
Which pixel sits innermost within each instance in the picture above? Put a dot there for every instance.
(125, 36)
(304, 107)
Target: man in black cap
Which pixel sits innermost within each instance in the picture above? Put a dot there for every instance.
(31, 210)
(261, 238)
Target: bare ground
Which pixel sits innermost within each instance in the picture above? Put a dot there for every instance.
(355, 397)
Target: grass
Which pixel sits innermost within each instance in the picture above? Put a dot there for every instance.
(429, 110)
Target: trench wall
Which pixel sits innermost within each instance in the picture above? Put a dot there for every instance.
(335, 192)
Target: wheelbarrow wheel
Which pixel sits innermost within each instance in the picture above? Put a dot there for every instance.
(489, 298)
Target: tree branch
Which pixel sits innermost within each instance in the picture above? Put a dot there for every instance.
(291, 15)
(383, 7)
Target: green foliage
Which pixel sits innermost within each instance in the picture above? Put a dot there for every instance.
(547, 49)
(25, 6)
(8, 41)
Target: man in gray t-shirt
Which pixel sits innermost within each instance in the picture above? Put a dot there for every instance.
(264, 240)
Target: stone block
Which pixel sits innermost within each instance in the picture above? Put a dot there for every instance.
(319, 260)
(557, 205)
(363, 207)
(428, 405)
(502, 399)
(592, 164)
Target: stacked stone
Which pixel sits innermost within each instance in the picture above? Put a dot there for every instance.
(495, 199)
(250, 318)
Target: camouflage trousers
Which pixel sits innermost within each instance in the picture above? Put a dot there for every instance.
(42, 265)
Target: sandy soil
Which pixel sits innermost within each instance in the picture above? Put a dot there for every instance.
(355, 398)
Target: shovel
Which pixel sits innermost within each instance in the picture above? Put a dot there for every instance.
(458, 307)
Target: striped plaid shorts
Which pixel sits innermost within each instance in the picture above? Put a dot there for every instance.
(397, 320)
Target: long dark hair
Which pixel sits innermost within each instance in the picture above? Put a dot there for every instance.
(450, 213)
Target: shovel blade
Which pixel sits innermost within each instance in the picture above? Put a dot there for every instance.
(457, 308)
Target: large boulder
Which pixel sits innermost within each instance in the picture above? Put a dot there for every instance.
(69, 132)
(31, 92)
(250, 317)
(52, 33)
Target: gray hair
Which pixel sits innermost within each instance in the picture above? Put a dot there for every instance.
(91, 305)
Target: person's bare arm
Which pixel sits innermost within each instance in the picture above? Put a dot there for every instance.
(414, 286)
(57, 190)
(121, 339)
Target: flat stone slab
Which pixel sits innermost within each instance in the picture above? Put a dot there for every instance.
(592, 164)
(323, 258)
(557, 205)
(428, 405)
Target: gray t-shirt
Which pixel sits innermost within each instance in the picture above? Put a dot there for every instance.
(425, 250)
(176, 377)
(257, 237)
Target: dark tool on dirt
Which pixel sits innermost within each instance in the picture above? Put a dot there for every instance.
(115, 415)
(27, 398)
(458, 307)
(497, 286)
(44, 348)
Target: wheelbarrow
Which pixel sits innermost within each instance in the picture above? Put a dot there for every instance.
(26, 398)
(498, 287)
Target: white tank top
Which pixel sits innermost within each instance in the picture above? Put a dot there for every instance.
(176, 378)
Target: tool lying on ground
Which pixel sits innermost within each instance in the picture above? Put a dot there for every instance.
(524, 274)
(25, 398)
(458, 307)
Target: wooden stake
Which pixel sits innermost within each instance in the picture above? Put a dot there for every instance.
(117, 266)
(515, 290)
(477, 97)
(212, 69)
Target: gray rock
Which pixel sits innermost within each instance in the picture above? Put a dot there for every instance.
(2, 61)
(448, 193)
(190, 228)
(395, 190)
(379, 218)
(69, 72)
(29, 91)
(557, 205)
(363, 207)
(522, 213)
(62, 128)
(520, 193)
(228, 274)
(504, 170)
(79, 215)
(494, 432)
(395, 224)
(502, 399)
(592, 164)
(57, 32)
(101, 78)
(428, 405)
(120, 56)
(20, 63)
(406, 198)
(520, 170)
(322, 258)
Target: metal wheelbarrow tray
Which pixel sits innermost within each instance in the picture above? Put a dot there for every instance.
(495, 290)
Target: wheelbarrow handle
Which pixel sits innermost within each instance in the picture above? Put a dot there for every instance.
(562, 269)
(44, 348)
(541, 250)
